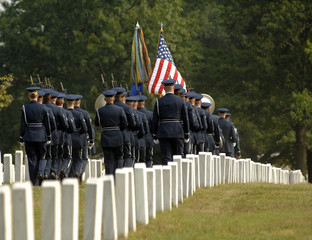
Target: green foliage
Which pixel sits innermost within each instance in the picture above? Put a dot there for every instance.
(5, 83)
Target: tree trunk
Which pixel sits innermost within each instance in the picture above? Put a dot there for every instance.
(309, 162)
(301, 150)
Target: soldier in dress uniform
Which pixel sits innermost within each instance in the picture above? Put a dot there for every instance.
(170, 123)
(228, 132)
(35, 133)
(127, 133)
(113, 121)
(61, 125)
(217, 133)
(237, 151)
(88, 137)
(142, 139)
(148, 137)
(77, 136)
(194, 123)
(209, 140)
(200, 146)
(65, 149)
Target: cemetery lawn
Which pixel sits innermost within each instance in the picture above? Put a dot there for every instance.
(228, 211)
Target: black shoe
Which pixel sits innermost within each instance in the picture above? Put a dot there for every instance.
(52, 175)
(62, 175)
(46, 176)
(40, 177)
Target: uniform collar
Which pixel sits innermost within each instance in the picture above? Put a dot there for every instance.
(169, 93)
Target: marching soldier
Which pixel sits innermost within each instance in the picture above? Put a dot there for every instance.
(148, 137)
(88, 137)
(65, 150)
(61, 125)
(237, 151)
(209, 139)
(113, 121)
(77, 136)
(127, 133)
(228, 132)
(142, 139)
(217, 132)
(203, 120)
(35, 133)
(170, 123)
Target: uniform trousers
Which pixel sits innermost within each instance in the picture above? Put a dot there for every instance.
(36, 152)
(76, 161)
(55, 160)
(149, 156)
(84, 159)
(112, 159)
(48, 157)
(128, 160)
(66, 160)
(170, 147)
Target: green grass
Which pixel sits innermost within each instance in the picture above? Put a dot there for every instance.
(229, 211)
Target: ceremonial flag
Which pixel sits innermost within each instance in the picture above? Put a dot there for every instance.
(163, 69)
(141, 65)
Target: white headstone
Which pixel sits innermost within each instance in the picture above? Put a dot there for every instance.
(210, 170)
(132, 199)
(109, 215)
(98, 168)
(18, 166)
(140, 180)
(151, 192)
(88, 170)
(93, 209)
(23, 173)
(222, 167)
(186, 175)
(159, 188)
(93, 168)
(1, 173)
(7, 162)
(5, 213)
(51, 210)
(27, 178)
(167, 181)
(192, 174)
(122, 202)
(174, 182)
(215, 171)
(70, 209)
(178, 160)
(202, 169)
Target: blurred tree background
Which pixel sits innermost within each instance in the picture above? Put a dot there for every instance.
(253, 57)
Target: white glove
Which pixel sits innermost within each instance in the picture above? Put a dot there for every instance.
(48, 142)
(22, 143)
(156, 141)
(186, 140)
(91, 145)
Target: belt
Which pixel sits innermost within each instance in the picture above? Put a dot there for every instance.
(210, 134)
(135, 132)
(35, 124)
(110, 128)
(170, 120)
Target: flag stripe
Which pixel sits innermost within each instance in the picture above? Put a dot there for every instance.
(169, 67)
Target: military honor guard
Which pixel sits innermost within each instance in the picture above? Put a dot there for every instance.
(35, 133)
(89, 136)
(113, 121)
(237, 151)
(148, 137)
(209, 139)
(170, 123)
(77, 136)
(127, 133)
(203, 121)
(228, 132)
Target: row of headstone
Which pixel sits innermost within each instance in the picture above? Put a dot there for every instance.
(113, 206)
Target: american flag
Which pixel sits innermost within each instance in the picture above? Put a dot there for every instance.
(164, 67)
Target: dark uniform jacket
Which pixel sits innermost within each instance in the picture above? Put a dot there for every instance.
(203, 125)
(229, 135)
(88, 120)
(60, 120)
(170, 118)
(71, 128)
(217, 134)
(128, 132)
(149, 117)
(35, 124)
(81, 128)
(113, 120)
(142, 141)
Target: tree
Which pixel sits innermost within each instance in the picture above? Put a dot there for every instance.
(5, 83)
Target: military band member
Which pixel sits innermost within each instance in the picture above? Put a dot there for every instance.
(77, 136)
(170, 123)
(228, 132)
(148, 137)
(127, 133)
(35, 133)
(113, 121)
(237, 151)
(88, 136)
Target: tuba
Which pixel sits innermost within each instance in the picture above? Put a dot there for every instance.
(99, 102)
(209, 99)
